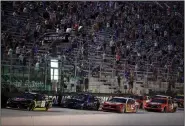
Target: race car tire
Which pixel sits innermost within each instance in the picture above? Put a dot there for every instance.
(179, 105)
(147, 110)
(97, 107)
(136, 109)
(141, 106)
(47, 107)
(123, 110)
(164, 110)
(31, 106)
(174, 109)
(82, 107)
(7, 105)
(19, 106)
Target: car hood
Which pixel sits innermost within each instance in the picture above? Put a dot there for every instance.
(114, 103)
(74, 100)
(18, 99)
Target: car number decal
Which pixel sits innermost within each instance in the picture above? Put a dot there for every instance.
(43, 103)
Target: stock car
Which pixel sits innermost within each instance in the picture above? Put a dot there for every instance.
(142, 100)
(82, 101)
(121, 104)
(30, 101)
(179, 99)
(161, 105)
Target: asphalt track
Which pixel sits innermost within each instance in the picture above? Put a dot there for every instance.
(103, 118)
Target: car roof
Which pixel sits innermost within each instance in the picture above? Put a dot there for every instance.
(124, 98)
(162, 96)
(82, 94)
(136, 96)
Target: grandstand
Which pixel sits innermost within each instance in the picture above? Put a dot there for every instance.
(56, 46)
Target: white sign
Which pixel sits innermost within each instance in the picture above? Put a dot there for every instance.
(31, 84)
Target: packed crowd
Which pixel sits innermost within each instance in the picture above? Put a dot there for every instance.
(143, 32)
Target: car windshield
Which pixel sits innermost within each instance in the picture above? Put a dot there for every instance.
(29, 96)
(20, 96)
(159, 100)
(179, 97)
(121, 100)
(137, 97)
(160, 96)
(80, 97)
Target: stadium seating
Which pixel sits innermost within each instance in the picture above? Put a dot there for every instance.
(149, 35)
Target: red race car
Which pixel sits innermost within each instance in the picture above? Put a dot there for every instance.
(161, 105)
(120, 104)
(142, 100)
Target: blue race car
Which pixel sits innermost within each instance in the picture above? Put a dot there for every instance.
(82, 101)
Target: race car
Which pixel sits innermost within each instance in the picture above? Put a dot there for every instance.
(161, 105)
(142, 100)
(30, 101)
(179, 99)
(121, 104)
(82, 101)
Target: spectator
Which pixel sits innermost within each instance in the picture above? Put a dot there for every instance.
(38, 28)
(10, 52)
(35, 49)
(14, 14)
(28, 26)
(119, 80)
(24, 50)
(46, 15)
(37, 31)
(25, 10)
(21, 59)
(118, 58)
(37, 65)
(104, 58)
(99, 48)
(112, 46)
(104, 45)
(18, 51)
(82, 50)
(24, 61)
(53, 17)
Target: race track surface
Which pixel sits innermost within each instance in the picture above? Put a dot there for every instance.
(100, 118)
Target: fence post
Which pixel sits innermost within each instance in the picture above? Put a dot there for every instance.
(29, 67)
(11, 56)
(46, 72)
